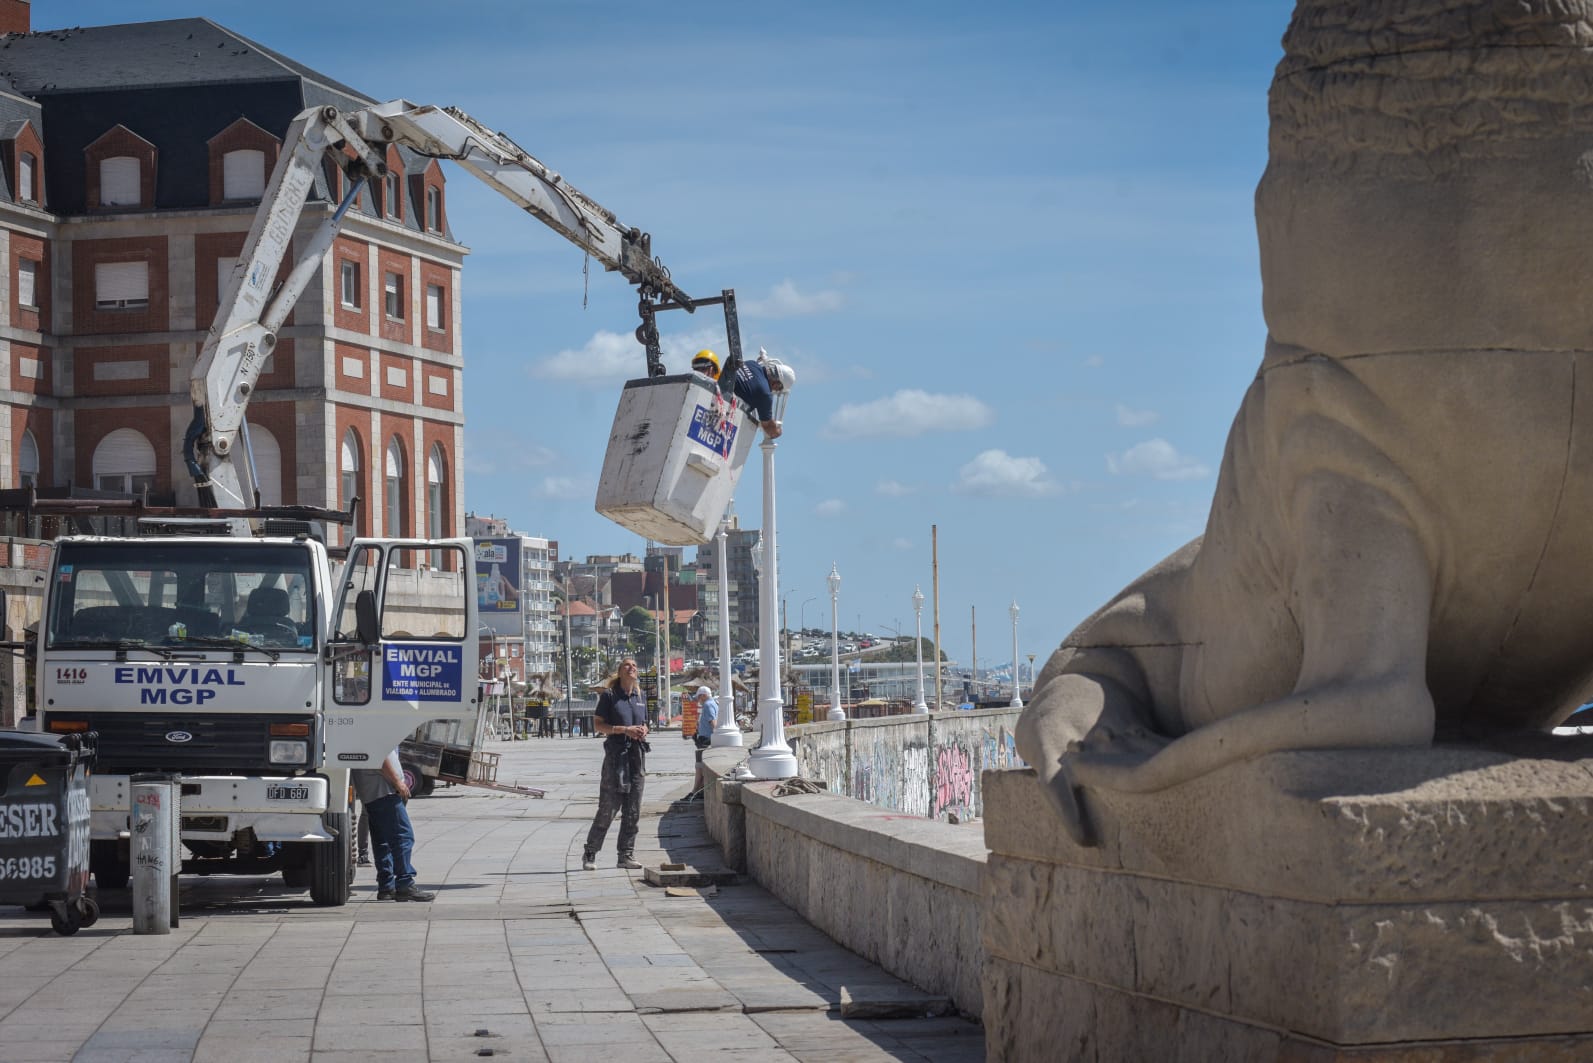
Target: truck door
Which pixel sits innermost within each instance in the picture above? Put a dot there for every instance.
(403, 646)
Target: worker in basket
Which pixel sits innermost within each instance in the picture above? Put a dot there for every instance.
(756, 384)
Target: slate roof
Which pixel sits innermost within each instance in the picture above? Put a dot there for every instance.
(176, 83)
(185, 51)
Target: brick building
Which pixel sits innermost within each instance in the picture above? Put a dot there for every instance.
(132, 159)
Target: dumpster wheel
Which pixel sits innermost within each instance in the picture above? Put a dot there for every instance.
(68, 919)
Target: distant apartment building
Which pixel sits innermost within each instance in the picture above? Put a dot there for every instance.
(743, 587)
(532, 639)
(132, 160)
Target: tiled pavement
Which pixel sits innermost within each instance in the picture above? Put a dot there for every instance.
(522, 957)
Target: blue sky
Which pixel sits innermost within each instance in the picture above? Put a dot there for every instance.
(1009, 249)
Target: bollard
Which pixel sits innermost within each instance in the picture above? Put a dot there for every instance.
(156, 851)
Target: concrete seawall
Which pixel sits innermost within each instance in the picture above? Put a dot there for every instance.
(921, 765)
(872, 862)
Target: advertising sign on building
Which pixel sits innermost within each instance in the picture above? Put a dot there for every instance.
(498, 599)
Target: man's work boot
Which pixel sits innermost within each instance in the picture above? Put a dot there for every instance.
(384, 895)
(588, 861)
(628, 862)
(413, 894)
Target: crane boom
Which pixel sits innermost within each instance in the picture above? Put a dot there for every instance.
(253, 306)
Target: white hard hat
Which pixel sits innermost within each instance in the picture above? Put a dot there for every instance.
(783, 374)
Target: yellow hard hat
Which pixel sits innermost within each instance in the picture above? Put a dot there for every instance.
(706, 361)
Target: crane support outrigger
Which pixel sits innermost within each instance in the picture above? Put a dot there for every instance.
(253, 307)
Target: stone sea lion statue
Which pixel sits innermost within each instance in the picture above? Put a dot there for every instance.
(1401, 539)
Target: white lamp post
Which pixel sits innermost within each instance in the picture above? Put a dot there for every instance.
(918, 648)
(836, 713)
(1016, 702)
(773, 758)
(726, 732)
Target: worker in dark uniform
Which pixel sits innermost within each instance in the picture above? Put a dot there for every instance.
(755, 386)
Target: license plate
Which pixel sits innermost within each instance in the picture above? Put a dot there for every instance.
(287, 793)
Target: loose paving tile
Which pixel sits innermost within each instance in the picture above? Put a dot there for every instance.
(548, 962)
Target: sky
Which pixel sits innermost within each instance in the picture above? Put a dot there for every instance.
(1008, 248)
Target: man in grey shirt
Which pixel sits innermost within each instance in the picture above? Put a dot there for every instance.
(383, 794)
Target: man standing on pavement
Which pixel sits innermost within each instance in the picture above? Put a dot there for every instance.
(383, 794)
(622, 718)
(707, 720)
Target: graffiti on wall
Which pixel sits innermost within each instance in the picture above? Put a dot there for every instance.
(954, 782)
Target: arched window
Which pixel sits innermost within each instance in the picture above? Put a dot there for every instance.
(267, 465)
(434, 493)
(119, 182)
(124, 461)
(243, 174)
(28, 461)
(349, 465)
(393, 490)
(436, 521)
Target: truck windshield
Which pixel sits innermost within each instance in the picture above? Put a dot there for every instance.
(152, 593)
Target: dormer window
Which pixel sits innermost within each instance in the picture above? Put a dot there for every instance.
(390, 203)
(27, 178)
(119, 182)
(243, 174)
(434, 209)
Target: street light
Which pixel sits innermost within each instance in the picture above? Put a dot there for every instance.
(726, 731)
(773, 758)
(836, 713)
(1016, 702)
(918, 648)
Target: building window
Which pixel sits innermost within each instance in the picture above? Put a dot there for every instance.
(266, 457)
(119, 182)
(28, 283)
(121, 285)
(27, 179)
(434, 209)
(124, 461)
(350, 467)
(434, 500)
(393, 490)
(243, 174)
(390, 184)
(350, 274)
(435, 319)
(28, 461)
(393, 295)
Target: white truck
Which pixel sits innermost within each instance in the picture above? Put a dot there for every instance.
(248, 661)
(240, 664)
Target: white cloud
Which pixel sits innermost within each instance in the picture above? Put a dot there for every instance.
(1156, 458)
(995, 472)
(902, 544)
(612, 356)
(785, 301)
(893, 489)
(1136, 418)
(830, 507)
(908, 413)
(562, 487)
(487, 451)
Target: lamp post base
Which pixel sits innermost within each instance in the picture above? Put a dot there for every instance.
(769, 763)
(725, 736)
(836, 715)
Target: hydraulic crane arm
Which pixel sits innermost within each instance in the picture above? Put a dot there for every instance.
(253, 307)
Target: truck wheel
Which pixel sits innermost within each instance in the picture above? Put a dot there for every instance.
(110, 868)
(332, 864)
(426, 785)
(91, 911)
(413, 779)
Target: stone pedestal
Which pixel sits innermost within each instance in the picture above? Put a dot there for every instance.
(1432, 905)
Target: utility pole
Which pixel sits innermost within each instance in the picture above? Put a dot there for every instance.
(934, 572)
(973, 623)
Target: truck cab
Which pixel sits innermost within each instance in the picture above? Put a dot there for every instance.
(258, 671)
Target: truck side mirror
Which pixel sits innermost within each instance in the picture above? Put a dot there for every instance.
(366, 623)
